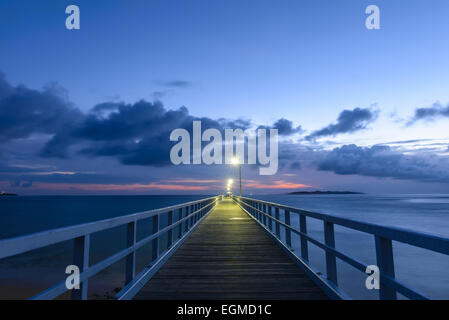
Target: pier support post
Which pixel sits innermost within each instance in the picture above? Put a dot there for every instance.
(170, 232)
(385, 262)
(186, 222)
(180, 225)
(81, 260)
(155, 242)
(288, 233)
(197, 215)
(192, 210)
(331, 261)
(264, 217)
(256, 207)
(278, 227)
(304, 244)
(130, 258)
(270, 223)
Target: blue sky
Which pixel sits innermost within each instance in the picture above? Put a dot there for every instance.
(305, 61)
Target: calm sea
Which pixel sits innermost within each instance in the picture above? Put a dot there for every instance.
(27, 274)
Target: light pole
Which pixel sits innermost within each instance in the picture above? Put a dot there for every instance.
(236, 161)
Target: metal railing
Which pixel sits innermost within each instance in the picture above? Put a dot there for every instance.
(262, 213)
(190, 215)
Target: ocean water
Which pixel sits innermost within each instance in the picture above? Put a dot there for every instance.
(27, 274)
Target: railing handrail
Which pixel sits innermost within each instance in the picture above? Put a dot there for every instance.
(260, 210)
(16, 245)
(423, 240)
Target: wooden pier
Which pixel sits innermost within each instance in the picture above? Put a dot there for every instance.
(229, 257)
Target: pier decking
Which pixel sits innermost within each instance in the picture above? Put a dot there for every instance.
(229, 257)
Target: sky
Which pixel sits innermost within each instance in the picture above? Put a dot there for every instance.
(90, 111)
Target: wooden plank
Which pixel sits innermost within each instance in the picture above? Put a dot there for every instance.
(229, 257)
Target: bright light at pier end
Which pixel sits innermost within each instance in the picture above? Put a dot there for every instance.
(230, 181)
(235, 161)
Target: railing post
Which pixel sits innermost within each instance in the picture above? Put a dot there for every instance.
(195, 216)
(385, 262)
(180, 225)
(264, 217)
(197, 207)
(81, 260)
(192, 210)
(256, 207)
(130, 272)
(288, 233)
(170, 232)
(304, 244)
(186, 222)
(270, 223)
(331, 261)
(155, 241)
(278, 227)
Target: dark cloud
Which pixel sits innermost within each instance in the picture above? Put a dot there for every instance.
(348, 121)
(234, 124)
(383, 161)
(135, 134)
(431, 113)
(284, 126)
(25, 111)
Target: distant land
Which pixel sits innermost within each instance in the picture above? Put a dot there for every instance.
(7, 194)
(325, 192)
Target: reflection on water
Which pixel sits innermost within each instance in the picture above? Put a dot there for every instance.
(428, 200)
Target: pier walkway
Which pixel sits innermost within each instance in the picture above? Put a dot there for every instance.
(230, 257)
